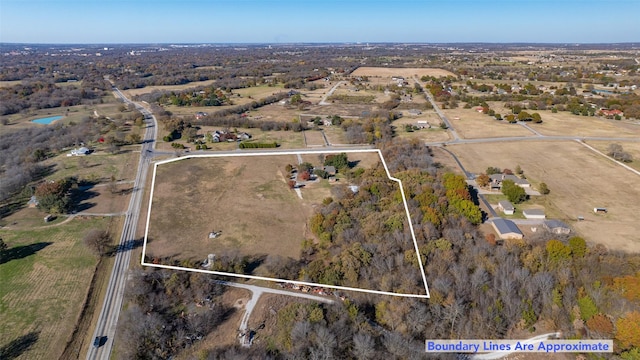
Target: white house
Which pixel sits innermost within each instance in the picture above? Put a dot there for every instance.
(79, 152)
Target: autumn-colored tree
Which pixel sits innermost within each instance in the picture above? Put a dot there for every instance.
(483, 180)
(601, 325)
(628, 330)
(304, 176)
(490, 238)
(629, 286)
(316, 223)
(53, 196)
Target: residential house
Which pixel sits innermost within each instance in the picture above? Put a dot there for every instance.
(556, 227)
(506, 229)
(421, 124)
(331, 170)
(414, 112)
(498, 178)
(506, 207)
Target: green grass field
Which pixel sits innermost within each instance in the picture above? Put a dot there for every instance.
(46, 274)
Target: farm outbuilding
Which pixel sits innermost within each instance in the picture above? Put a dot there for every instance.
(506, 229)
(534, 214)
(506, 207)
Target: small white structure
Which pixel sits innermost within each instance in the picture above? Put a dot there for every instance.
(79, 152)
(208, 263)
(599, 210)
(506, 207)
(534, 214)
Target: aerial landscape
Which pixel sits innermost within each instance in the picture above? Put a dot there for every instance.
(325, 180)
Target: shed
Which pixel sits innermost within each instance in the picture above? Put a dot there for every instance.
(506, 207)
(556, 227)
(534, 214)
(506, 229)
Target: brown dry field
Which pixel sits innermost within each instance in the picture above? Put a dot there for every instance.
(632, 148)
(472, 124)
(103, 201)
(247, 198)
(314, 138)
(579, 180)
(148, 89)
(335, 135)
(566, 124)
(404, 72)
(379, 96)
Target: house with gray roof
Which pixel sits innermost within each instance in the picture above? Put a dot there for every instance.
(499, 178)
(556, 227)
(506, 229)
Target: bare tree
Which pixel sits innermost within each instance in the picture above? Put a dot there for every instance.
(97, 241)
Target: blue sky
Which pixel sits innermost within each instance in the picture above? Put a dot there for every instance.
(286, 21)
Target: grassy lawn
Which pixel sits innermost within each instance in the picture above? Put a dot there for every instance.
(46, 273)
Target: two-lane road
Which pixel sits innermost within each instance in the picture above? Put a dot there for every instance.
(106, 326)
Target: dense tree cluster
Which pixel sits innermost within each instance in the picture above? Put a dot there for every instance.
(167, 312)
(54, 196)
(43, 95)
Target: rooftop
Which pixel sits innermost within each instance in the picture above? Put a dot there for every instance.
(505, 226)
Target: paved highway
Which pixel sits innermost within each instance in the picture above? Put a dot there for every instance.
(106, 326)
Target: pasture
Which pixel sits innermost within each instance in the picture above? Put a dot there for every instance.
(567, 124)
(246, 198)
(470, 124)
(633, 148)
(46, 275)
(576, 177)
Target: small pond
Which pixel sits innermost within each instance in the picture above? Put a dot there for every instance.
(47, 120)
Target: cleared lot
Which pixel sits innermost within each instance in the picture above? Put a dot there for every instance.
(470, 124)
(579, 180)
(246, 198)
(564, 123)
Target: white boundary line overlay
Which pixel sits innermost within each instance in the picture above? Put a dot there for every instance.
(277, 153)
